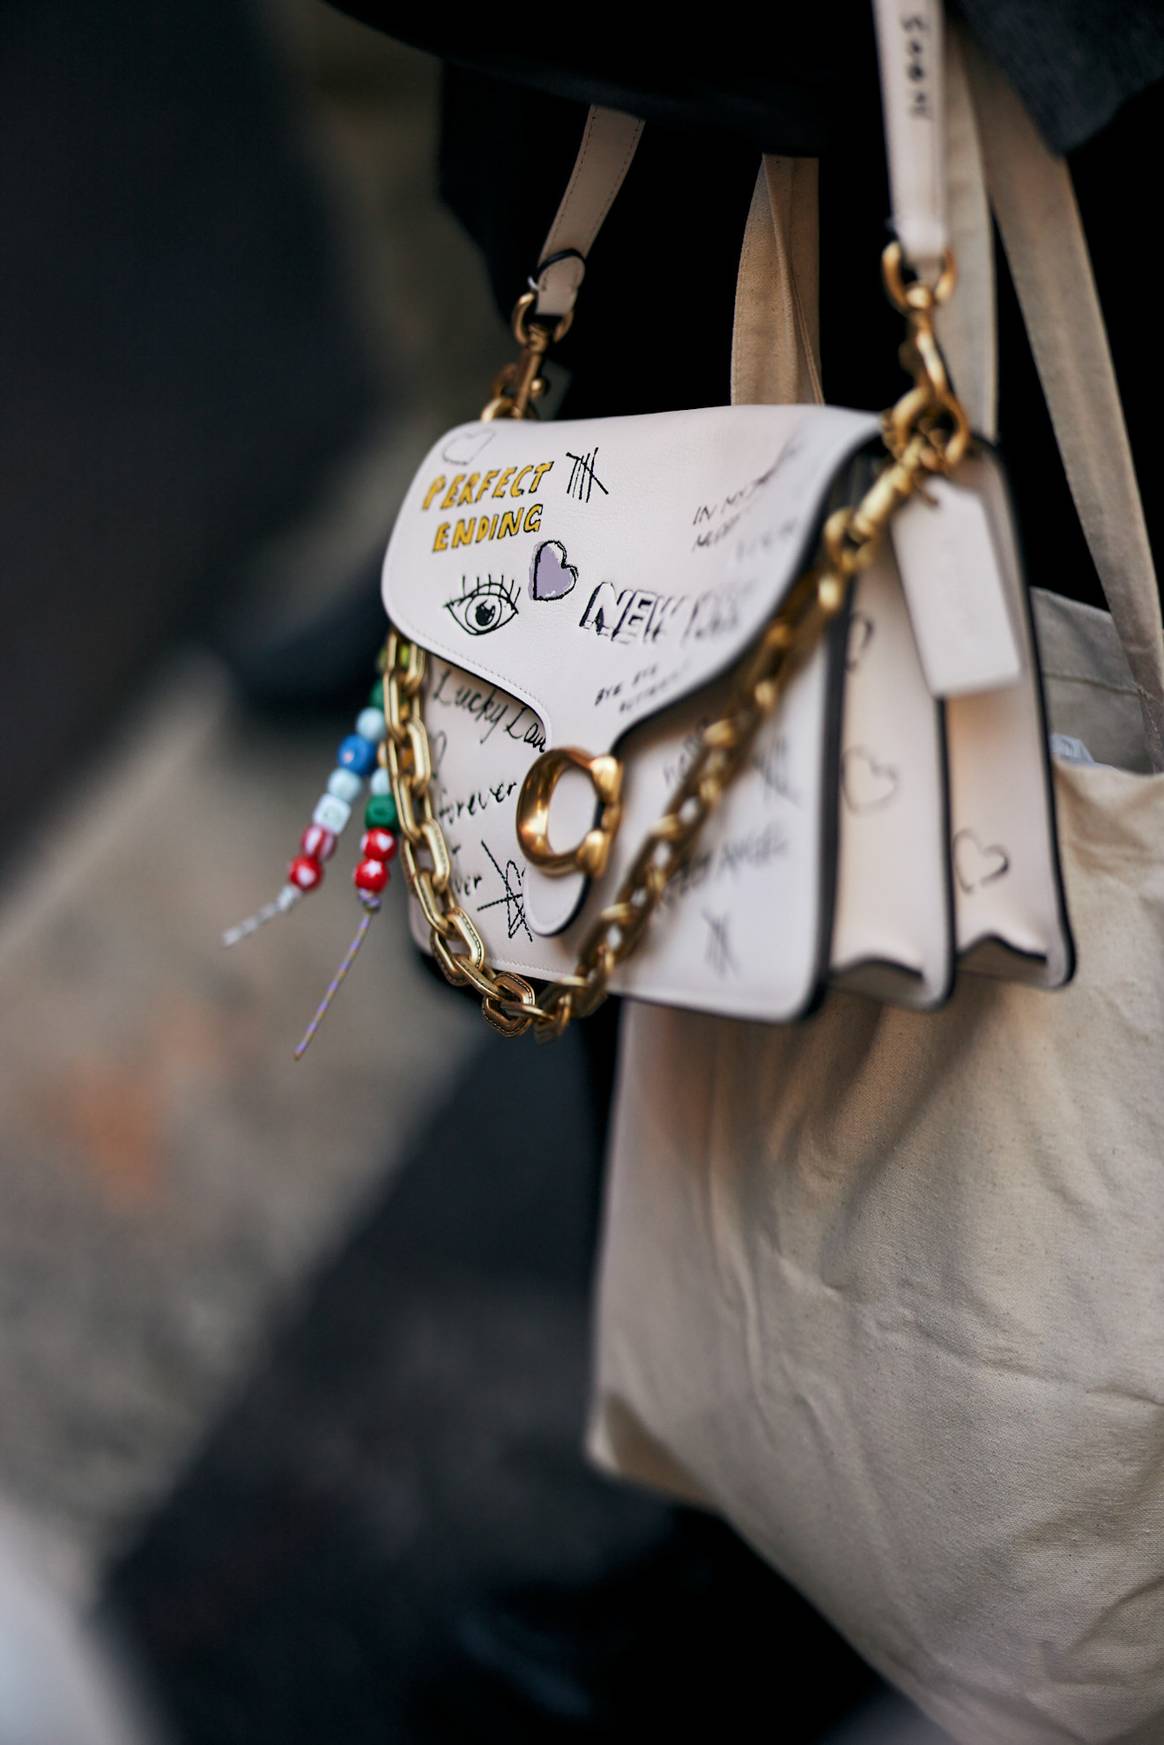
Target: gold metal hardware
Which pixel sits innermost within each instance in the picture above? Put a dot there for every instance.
(926, 432)
(521, 382)
(533, 811)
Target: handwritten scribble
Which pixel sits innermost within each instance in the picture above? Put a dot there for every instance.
(512, 896)
(861, 631)
(771, 764)
(719, 950)
(583, 478)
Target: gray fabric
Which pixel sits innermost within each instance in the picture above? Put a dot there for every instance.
(1073, 62)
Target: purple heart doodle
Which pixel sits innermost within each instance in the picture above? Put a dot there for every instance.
(551, 577)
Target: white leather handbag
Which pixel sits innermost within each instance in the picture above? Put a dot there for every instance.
(712, 708)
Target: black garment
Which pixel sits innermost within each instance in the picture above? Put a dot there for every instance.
(803, 84)
(787, 78)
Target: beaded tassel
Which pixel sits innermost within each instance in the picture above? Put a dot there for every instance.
(377, 847)
(355, 760)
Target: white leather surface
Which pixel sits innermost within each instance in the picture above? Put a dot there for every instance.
(894, 930)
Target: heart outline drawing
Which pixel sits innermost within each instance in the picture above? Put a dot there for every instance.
(868, 786)
(463, 447)
(547, 576)
(972, 858)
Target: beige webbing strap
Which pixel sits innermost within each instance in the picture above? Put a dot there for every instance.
(1038, 217)
(776, 337)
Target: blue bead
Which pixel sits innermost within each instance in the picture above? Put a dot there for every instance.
(357, 753)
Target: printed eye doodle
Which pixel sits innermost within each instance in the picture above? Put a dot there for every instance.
(551, 577)
(487, 606)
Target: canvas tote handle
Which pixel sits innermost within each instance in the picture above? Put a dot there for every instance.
(1038, 218)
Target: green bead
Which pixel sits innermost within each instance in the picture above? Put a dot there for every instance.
(376, 695)
(380, 813)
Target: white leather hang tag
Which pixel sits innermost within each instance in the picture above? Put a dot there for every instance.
(957, 596)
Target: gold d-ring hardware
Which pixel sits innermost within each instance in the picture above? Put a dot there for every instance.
(533, 811)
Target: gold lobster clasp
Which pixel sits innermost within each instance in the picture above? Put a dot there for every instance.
(931, 416)
(589, 856)
(521, 382)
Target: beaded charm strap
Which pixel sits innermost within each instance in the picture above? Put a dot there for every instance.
(358, 759)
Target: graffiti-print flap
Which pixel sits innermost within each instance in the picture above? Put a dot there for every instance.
(602, 570)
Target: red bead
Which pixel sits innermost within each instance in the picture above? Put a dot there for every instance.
(305, 871)
(318, 843)
(370, 875)
(378, 845)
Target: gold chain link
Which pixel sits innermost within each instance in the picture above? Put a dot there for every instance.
(925, 433)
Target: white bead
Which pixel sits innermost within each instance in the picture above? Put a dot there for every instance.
(378, 782)
(345, 784)
(332, 812)
(370, 725)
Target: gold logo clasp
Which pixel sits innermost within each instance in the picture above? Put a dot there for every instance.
(590, 856)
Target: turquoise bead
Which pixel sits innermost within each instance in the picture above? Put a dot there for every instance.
(370, 725)
(380, 813)
(345, 784)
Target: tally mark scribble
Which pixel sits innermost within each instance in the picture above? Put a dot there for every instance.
(583, 478)
(512, 895)
(719, 948)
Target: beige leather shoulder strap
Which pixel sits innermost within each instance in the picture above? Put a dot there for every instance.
(608, 144)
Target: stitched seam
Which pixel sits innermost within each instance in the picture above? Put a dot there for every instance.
(579, 165)
(616, 184)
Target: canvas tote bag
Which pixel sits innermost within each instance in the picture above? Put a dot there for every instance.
(887, 1290)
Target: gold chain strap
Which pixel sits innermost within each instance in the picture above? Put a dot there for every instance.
(925, 433)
